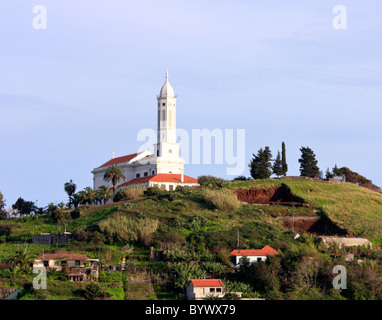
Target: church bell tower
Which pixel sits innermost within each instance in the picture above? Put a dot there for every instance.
(167, 149)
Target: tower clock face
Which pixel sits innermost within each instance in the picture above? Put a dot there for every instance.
(170, 104)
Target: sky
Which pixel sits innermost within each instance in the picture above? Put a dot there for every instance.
(82, 88)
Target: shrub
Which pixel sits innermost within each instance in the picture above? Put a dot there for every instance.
(94, 292)
(75, 214)
(122, 228)
(5, 231)
(231, 296)
(153, 191)
(184, 272)
(197, 222)
(222, 200)
(119, 196)
(213, 267)
(213, 182)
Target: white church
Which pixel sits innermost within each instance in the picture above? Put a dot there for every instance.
(164, 168)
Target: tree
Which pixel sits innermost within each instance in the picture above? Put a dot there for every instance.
(103, 194)
(3, 213)
(277, 168)
(24, 207)
(113, 174)
(283, 159)
(70, 189)
(22, 258)
(260, 166)
(89, 195)
(308, 163)
(328, 174)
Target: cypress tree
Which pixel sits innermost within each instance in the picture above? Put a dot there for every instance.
(308, 163)
(277, 168)
(260, 166)
(283, 160)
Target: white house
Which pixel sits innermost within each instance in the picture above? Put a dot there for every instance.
(253, 255)
(199, 289)
(163, 168)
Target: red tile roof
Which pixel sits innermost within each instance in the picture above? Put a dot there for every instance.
(161, 177)
(171, 177)
(266, 251)
(207, 283)
(63, 256)
(119, 160)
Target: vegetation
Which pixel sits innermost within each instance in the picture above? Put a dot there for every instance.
(284, 164)
(113, 174)
(308, 163)
(170, 237)
(260, 166)
(221, 200)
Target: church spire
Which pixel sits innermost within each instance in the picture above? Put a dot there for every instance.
(167, 90)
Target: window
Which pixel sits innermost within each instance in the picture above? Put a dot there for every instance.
(153, 172)
(218, 289)
(258, 259)
(46, 263)
(171, 187)
(163, 104)
(157, 154)
(146, 174)
(212, 289)
(169, 151)
(77, 263)
(137, 175)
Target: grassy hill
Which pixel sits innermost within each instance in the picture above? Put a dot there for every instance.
(201, 225)
(356, 209)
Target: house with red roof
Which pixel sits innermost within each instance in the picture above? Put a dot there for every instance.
(199, 289)
(253, 255)
(163, 168)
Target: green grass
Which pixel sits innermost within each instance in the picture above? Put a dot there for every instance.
(354, 208)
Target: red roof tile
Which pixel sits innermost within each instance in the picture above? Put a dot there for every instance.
(207, 283)
(171, 177)
(63, 256)
(161, 177)
(266, 251)
(119, 160)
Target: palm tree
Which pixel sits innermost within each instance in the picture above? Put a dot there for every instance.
(70, 189)
(13, 274)
(113, 174)
(90, 195)
(104, 193)
(22, 258)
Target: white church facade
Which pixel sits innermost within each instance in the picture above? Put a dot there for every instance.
(164, 168)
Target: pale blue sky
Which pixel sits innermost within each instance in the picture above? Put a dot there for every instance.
(74, 93)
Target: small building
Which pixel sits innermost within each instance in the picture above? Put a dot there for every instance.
(47, 238)
(253, 255)
(199, 289)
(77, 266)
(342, 242)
